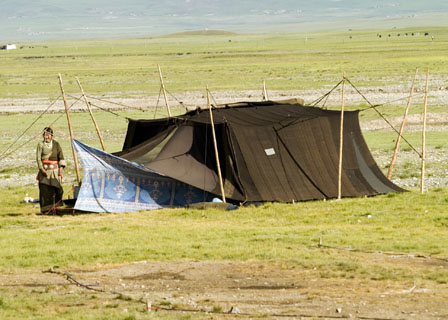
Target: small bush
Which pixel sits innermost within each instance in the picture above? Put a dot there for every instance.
(217, 309)
(2, 303)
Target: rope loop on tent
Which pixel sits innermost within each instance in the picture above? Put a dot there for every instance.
(158, 100)
(388, 102)
(374, 107)
(325, 102)
(76, 99)
(213, 97)
(25, 131)
(3, 156)
(315, 102)
(116, 103)
(107, 110)
(175, 98)
(99, 107)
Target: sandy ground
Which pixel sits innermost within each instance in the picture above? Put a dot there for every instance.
(251, 289)
(391, 95)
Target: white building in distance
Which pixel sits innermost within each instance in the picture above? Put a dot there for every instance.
(9, 47)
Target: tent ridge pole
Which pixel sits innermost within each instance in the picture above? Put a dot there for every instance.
(91, 114)
(397, 144)
(422, 182)
(341, 140)
(221, 184)
(265, 93)
(75, 156)
(164, 91)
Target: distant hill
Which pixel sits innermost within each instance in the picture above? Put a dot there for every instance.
(38, 20)
(200, 33)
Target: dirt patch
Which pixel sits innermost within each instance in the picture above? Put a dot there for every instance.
(253, 289)
(390, 95)
(435, 122)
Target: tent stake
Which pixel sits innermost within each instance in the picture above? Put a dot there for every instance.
(75, 156)
(397, 144)
(265, 93)
(91, 114)
(341, 141)
(221, 185)
(164, 91)
(422, 182)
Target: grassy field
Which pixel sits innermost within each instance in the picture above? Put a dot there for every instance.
(352, 231)
(238, 62)
(284, 235)
(281, 233)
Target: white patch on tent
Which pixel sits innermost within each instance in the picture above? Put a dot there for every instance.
(270, 151)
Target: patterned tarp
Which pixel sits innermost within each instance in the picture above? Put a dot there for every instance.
(113, 184)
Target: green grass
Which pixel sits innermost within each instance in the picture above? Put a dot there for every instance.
(280, 233)
(230, 61)
(385, 141)
(286, 235)
(353, 232)
(39, 304)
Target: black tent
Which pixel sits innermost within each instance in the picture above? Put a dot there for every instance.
(269, 151)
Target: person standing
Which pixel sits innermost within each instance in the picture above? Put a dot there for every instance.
(50, 161)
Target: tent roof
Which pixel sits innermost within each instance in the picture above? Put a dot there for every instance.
(256, 114)
(269, 151)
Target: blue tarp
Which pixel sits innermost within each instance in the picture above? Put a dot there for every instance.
(113, 184)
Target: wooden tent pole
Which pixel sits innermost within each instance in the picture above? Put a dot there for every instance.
(75, 156)
(341, 140)
(265, 93)
(422, 182)
(91, 114)
(208, 98)
(397, 144)
(164, 91)
(215, 144)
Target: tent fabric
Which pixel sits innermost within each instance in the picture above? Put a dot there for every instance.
(113, 184)
(268, 151)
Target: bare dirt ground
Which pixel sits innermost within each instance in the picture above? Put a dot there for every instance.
(390, 95)
(249, 289)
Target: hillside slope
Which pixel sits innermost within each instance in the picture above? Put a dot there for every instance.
(24, 20)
